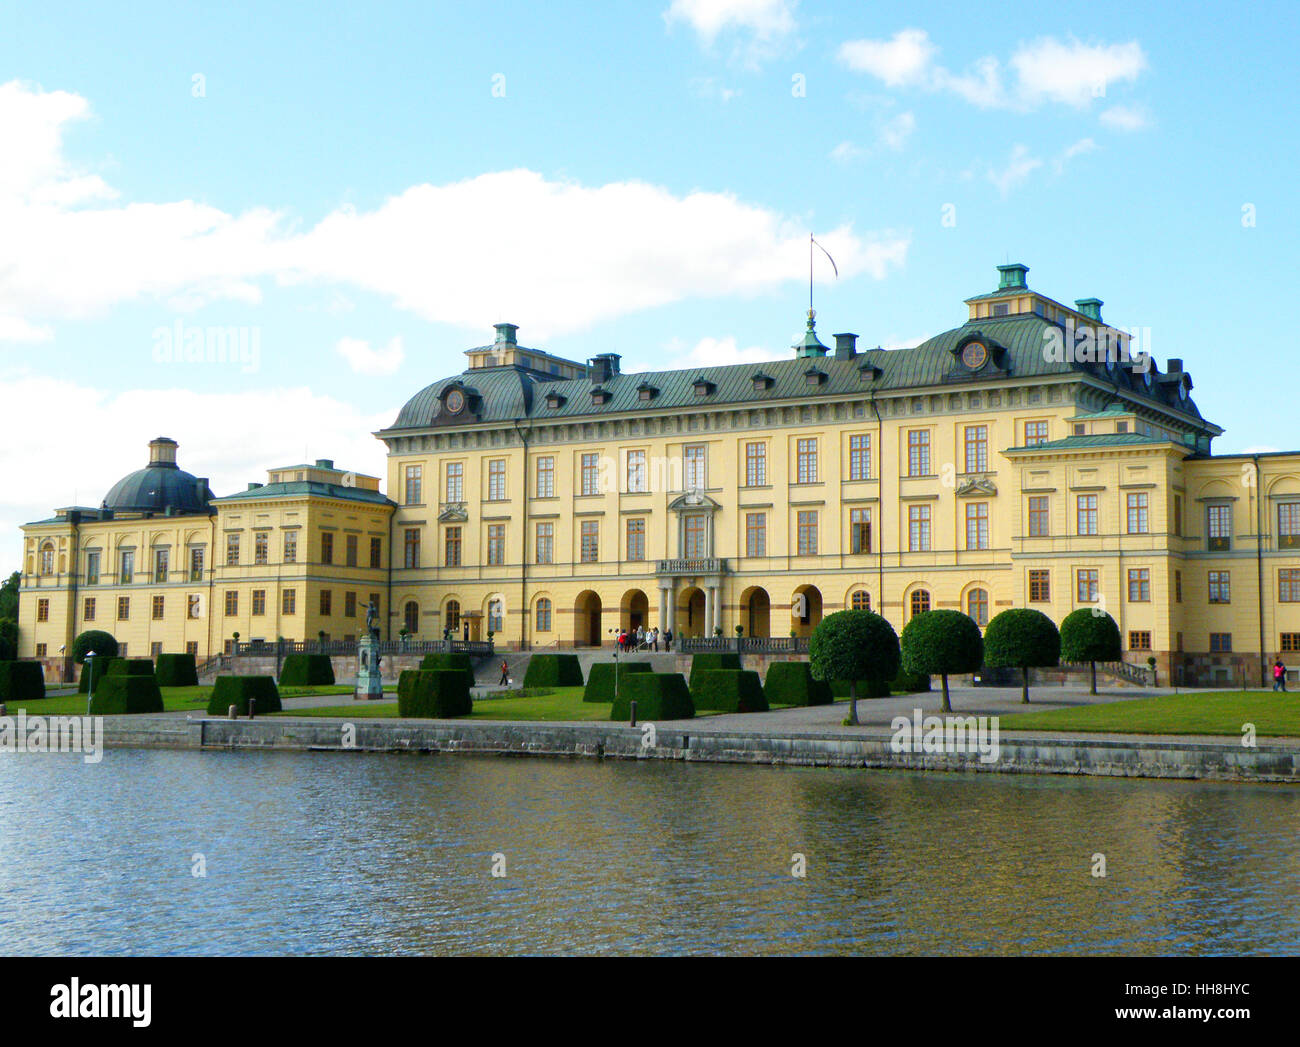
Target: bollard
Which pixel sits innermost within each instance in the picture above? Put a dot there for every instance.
(632, 703)
(234, 712)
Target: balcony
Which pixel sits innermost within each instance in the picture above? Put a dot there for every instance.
(691, 566)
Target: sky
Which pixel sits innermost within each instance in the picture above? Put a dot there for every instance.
(352, 194)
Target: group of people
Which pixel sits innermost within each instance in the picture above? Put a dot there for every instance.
(1279, 676)
(643, 639)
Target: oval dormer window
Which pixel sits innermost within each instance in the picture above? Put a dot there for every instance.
(975, 355)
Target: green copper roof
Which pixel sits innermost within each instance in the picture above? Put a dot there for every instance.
(309, 488)
(810, 344)
(1096, 440)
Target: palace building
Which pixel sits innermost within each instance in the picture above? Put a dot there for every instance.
(1026, 458)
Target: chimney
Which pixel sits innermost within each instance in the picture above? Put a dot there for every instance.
(254, 486)
(1090, 307)
(602, 368)
(162, 451)
(1012, 277)
(201, 487)
(506, 334)
(846, 346)
(322, 463)
(1175, 365)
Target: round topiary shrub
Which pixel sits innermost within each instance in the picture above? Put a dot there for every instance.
(21, 681)
(658, 696)
(176, 670)
(306, 670)
(437, 694)
(237, 690)
(1090, 635)
(729, 691)
(100, 667)
(706, 661)
(600, 679)
(1023, 638)
(103, 644)
(792, 683)
(553, 670)
(122, 693)
(941, 643)
(854, 645)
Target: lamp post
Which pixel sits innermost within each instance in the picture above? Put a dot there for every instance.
(90, 679)
(632, 708)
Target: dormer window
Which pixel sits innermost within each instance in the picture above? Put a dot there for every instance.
(646, 392)
(762, 382)
(868, 372)
(599, 396)
(703, 387)
(554, 400)
(814, 377)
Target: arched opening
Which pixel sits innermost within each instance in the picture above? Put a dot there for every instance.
(634, 610)
(543, 615)
(977, 606)
(690, 613)
(860, 600)
(756, 608)
(918, 602)
(586, 620)
(47, 558)
(496, 616)
(805, 610)
(411, 617)
(451, 615)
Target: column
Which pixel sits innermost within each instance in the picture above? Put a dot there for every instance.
(663, 609)
(708, 611)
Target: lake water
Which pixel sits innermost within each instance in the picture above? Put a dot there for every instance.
(310, 853)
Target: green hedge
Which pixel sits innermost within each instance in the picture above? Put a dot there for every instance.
(21, 681)
(907, 682)
(237, 690)
(792, 683)
(176, 670)
(553, 670)
(438, 694)
(126, 693)
(449, 660)
(600, 681)
(711, 660)
(729, 691)
(306, 670)
(904, 683)
(658, 696)
(102, 667)
(130, 667)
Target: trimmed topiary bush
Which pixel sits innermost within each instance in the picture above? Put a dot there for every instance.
(854, 645)
(306, 670)
(130, 667)
(553, 670)
(792, 683)
(1090, 635)
(908, 682)
(237, 690)
(103, 644)
(176, 670)
(450, 660)
(101, 668)
(438, 694)
(864, 688)
(658, 696)
(21, 681)
(941, 643)
(1024, 638)
(707, 661)
(729, 690)
(121, 693)
(600, 680)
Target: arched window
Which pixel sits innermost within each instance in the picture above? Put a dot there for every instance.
(543, 615)
(47, 558)
(453, 615)
(920, 601)
(977, 606)
(860, 600)
(412, 616)
(496, 615)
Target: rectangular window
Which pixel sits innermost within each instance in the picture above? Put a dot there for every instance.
(977, 448)
(326, 602)
(546, 477)
(496, 545)
(156, 608)
(918, 452)
(411, 540)
(192, 647)
(196, 565)
(1219, 527)
(42, 610)
(289, 601)
(290, 547)
(1087, 513)
(860, 530)
(259, 603)
(1221, 643)
(155, 649)
(1178, 587)
(756, 534)
(261, 547)
(636, 478)
(123, 609)
(695, 529)
(376, 552)
(497, 480)
(590, 541)
(1220, 587)
(1178, 516)
(806, 461)
(1139, 585)
(232, 550)
(1137, 513)
(1040, 586)
(918, 528)
(545, 543)
(755, 464)
(860, 457)
(1089, 585)
(127, 574)
(1291, 641)
(636, 539)
(1039, 518)
(349, 605)
(232, 603)
(1035, 433)
(977, 525)
(543, 615)
(92, 567)
(350, 543)
(414, 485)
(807, 532)
(1288, 585)
(88, 609)
(161, 561)
(1139, 640)
(455, 482)
(41, 649)
(1288, 525)
(327, 547)
(590, 474)
(695, 467)
(450, 547)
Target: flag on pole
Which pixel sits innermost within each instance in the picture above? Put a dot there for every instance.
(828, 257)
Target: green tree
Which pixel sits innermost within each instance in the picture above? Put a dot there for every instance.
(9, 596)
(853, 646)
(942, 642)
(1090, 635)
(1022, 638)
(102, 643)
(8, 639)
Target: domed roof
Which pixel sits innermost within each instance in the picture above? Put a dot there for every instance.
(160, 487)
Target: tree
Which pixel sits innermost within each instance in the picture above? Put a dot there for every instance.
(102, 643)
(1023, 638)
(942, 642)
(9, 596)
(853, 646)
(1090, 635)
(8, 639)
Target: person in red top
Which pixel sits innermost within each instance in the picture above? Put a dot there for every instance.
(1279, 676)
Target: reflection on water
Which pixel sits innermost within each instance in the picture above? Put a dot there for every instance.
(368, 854)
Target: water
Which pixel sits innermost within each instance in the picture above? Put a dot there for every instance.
(311, 853)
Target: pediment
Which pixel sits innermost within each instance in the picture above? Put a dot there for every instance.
(693, 501)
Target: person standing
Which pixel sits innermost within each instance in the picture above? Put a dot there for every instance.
(668, 639)
(505, 673)
(1279, 676)
(654, 638)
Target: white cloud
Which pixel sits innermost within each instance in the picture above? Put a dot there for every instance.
(365, 360)
(1020, 165)
(846, 152)
(1075, 73)
(901, 61)
(708, 352)
(432, 250)
(895, 133)
(1124, 118)
(711, 88)
(766, 19)
(1080, 148)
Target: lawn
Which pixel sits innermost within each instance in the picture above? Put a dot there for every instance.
(1212, 712)
(175, 699)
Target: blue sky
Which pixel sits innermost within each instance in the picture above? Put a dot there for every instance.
(364, 189)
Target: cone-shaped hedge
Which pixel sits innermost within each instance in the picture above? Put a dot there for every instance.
(237, 690)
(306, 670)
(658, 696)
(792, 683)
(707, 661)
(121, 693)
(438, 694)
(553, 670)
(21, 681)
(176, 670)
(728, 690)
(450, 660)
(600, 680)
